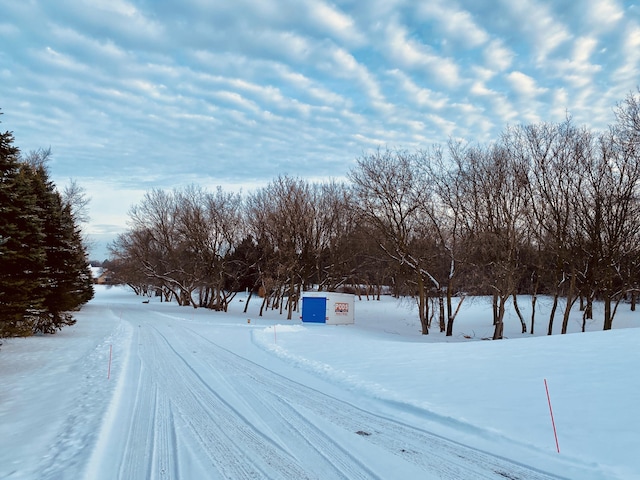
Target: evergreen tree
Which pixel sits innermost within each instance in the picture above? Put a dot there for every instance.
(66, 281)
(44, 270)
(22, 257)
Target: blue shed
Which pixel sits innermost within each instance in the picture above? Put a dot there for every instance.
(328, 307)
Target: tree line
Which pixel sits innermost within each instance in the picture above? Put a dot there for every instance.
(43, 263)
(548, 208)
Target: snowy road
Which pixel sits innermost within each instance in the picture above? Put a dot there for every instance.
(194, 401)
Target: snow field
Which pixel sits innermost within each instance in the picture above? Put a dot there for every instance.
(201, 394)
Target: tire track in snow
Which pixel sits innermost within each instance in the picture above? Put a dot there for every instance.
(434, 454)
(164, 465)
(336, 460)
(298, 436)
(302, 438)
(150, 443)
(310, 445)
(136, 462)
(230, 442)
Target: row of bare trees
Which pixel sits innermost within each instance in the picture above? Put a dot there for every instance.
(547, 209)
(198, 248)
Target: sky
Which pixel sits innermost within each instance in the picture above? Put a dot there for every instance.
(132, 95)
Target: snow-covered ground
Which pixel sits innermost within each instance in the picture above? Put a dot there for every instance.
(195, 394)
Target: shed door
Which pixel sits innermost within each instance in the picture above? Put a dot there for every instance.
(314, 309)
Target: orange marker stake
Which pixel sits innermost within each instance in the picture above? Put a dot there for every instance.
(553, 423)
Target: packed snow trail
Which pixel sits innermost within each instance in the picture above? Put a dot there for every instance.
(188, 406)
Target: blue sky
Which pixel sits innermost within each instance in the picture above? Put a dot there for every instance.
(137, 94)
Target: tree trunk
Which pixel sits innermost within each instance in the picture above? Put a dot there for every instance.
(498, 331)
(588, 310)
(168, 293)
(535, 280)
(517, 309)
(422, 307)
(534, 299)
(449, 308)
(608, 318)
(552, 314)
(264, 302)
(570, 301)
(499, 325)
(443, 326)
(246, 305)
(453, 317)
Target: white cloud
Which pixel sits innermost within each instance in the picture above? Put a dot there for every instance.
(535, 20)
(583, 49)
(120, 7)
(629, 70)
(482, 74)
(497, 56)
(369, 141)
(578, 70)
(632, 42)
(457, 25)
(604, 14)
(409, 53)
(479, 88)
(343, 64)
(95, 48)
(312, 88)
(444, 124)
(524, 85)
(236, 99)
(287, 44)
(60, 60)
(423, 97)
(118, 17)
(335, 22)
(559, 106)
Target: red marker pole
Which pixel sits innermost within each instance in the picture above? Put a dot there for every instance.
(553, 423)
(109, 370)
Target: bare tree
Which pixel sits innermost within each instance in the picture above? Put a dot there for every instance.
(493, 207)
(445, 213)
(390, 194)
(129, 253)
(209, 226)
(555, 154)
(170, 260)
(76, 197)
(609, 216)
(334, 244)
(284, 214)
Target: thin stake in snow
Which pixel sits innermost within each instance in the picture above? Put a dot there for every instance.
(553, 423)
(109, 370)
